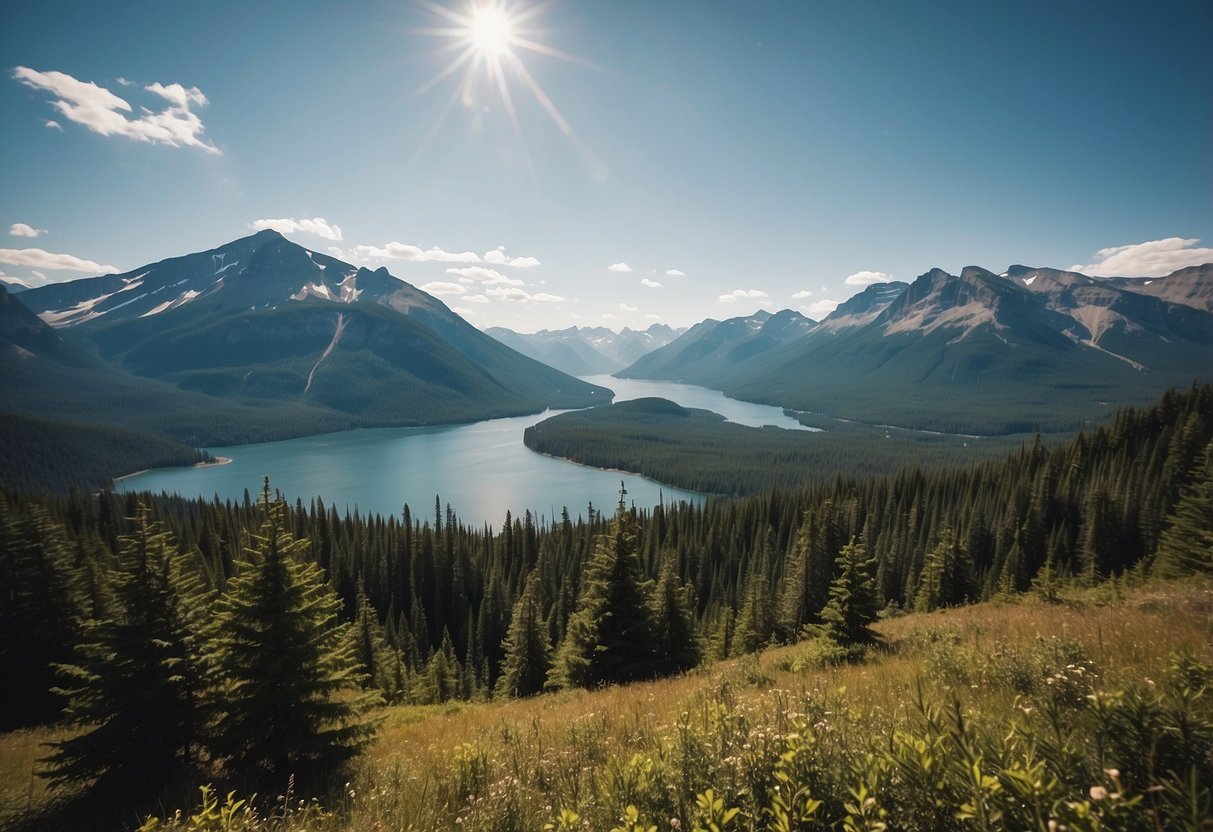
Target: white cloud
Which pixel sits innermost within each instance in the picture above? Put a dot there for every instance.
(486, 277)
(39, 259)
(867, 278)
(511, 293)
(289, 225)
(623, 307)
(20, 229)
(441, 288)
(544, 297)
(1155, 258)
(498, 257)
(733, 296)
(653, 317)
(820, 309)
(619, 267)
(675, 273)
(54, 125)
(651, 284)
(474, 299)
(404, 251)
(335, 251)
(608, 316)
(802, 294)
(459, 310)
(102, 112)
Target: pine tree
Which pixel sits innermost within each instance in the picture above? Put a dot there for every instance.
(528, 653)
(609, 638)
(135, 687)
(1186, 546)
(947, 575)
(369, 646)
(288, 678)
(677, 636)
(854, 602)
(755, 619)
(39, 613)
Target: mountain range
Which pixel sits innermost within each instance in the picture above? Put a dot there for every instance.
(1031, 349)
(259, 339)
(583, 351)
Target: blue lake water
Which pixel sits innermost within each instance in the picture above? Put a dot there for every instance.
(482, 469)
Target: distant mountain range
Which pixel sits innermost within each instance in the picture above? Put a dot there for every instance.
(983, 353)
(260, 338)
(582, 351)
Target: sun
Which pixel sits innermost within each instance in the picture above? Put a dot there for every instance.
(490, 31)
(488, 39)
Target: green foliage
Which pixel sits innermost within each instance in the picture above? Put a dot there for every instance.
(286, 672)
(946, 579)
(676, 632)
(610, 636)
(134, 690)
(1186, 546)
(528, 653)
(854, 603)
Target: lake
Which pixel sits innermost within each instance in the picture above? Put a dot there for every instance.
(482, 469)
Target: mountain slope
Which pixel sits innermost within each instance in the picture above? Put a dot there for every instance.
(976, 353)
(587, 350)
(264, 319)
(719, 346)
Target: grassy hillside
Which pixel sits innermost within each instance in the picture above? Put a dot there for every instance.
(1095, 712)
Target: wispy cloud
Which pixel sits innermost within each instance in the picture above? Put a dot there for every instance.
(510, 293)
(404, 251)
(675, 273)
(544, 297)
(733, 296)
(867, 278)
(474, 299)
(802, 294)
(651, 284)
(1155, 258)
(498, 257)
(486, 277)
(98, 109)
(623, 307)
(289, 225)
(39, 259)
(819, 310)
(20, 229)
(441, 288)
(619, 267)
(52, 124)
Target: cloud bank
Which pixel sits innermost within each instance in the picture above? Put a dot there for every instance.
(1155, 258)
(102, 112)
(39, 259)
(867, 278)
(289, 225)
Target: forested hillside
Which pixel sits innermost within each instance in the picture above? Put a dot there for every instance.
(436, 610)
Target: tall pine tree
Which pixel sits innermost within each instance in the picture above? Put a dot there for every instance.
(854, 601)
(289, 699)
(528, 653)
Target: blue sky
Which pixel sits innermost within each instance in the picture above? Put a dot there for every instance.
(767, 151)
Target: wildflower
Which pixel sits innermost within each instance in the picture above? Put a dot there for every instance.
(1098, 793)
(675, 823)
(1114, 773)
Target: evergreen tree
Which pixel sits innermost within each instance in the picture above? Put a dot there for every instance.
(528, 653)
(947, 575)
(677, 636)
(286, 696)
(609, 638)
(1186, 546)
(854, 602)
(39, 613)
(370, 648)
(756, 618)
(441, 680)
(135, 687)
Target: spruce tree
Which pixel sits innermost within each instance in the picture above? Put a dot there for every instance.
(947, 575)
(609, 638)
(1186, 545)
(677, 636)
(528, 653)
(135, 687)
(854, 601)
(39, 613)
(288, 695)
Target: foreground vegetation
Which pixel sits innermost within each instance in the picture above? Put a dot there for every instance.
(1094, 712)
